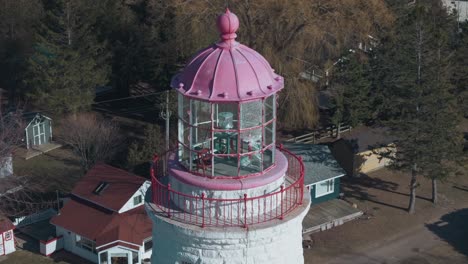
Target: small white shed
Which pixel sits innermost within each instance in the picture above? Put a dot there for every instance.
(7, 237)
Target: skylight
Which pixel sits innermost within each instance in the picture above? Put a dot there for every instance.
(101, 187)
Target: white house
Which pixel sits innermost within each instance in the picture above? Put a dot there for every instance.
(105, 221)
(7, 237)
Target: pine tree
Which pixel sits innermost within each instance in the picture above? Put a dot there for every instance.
(417, 97)
(68, 62)
(351, 84)
(460, 78)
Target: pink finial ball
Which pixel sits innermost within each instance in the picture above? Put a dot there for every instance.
(228, 23)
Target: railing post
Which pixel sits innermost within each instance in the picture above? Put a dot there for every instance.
(169, 200)
(245, 210)
(203, 209)
(281, 215)
(301, 182)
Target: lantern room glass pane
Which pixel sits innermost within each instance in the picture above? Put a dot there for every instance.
(225, 165)
(225, 116)
(269, 134)
(251, 140)
(184, 108)
(270, 108)
(250, 163)
(268, 157)
(201, 113)
(251, 114)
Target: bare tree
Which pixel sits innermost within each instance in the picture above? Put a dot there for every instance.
(93, 139)
(19, 195)
(11, 134)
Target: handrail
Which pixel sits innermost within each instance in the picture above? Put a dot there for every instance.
(224, 212)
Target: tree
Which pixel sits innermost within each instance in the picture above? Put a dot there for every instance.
(66, 65)
(460, 77)
(141, 152)
(11, 134)
(93, 139)
(351, 84)
(417, 98)
(16, 38)
(285, 32)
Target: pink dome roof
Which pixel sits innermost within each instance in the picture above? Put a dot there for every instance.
(227, 71)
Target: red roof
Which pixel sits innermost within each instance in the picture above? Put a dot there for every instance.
(5, 224)
(121, 185)
(104, 226)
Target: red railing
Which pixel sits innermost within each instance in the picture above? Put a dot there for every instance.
(242, 212)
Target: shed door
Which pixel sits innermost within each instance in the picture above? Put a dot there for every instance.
(39, 134)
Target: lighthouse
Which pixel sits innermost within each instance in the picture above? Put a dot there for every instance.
(230, 194)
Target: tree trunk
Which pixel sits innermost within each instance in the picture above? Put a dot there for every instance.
(412, 202)
(434, 191)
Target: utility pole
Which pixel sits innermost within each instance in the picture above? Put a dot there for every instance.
(166, 115)
(58, 202)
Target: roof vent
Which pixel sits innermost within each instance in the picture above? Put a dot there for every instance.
(101, 187)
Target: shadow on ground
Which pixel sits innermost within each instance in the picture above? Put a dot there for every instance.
(453, 228)
(358, 188)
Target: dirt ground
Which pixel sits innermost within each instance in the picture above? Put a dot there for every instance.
(58, 169)
(434, 234)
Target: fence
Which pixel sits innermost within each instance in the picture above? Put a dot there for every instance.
(34, 218)
(321, 133)
(241, 212)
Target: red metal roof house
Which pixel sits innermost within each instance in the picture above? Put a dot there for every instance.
(105, 221)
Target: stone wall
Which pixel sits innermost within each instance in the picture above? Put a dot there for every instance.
(275, 242)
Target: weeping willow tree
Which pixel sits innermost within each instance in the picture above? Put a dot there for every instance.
(287, 33)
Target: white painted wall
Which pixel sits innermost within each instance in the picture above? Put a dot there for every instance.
(141, 191)
(277, 242)
(49, 247)
(70, 245)
(7, 242)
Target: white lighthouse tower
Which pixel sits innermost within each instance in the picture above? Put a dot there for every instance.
(231, 195)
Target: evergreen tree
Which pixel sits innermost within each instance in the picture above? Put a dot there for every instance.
(417, 97)
(141, 152)
(460, 78)
(68, 60)
(351, 85)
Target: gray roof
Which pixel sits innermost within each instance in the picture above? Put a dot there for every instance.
(318, 161)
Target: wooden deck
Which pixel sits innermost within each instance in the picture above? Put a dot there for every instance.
(36, 150)
(328, 214)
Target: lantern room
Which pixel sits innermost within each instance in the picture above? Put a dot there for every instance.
(227, 97)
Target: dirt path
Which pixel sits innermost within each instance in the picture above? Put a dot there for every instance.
(435, 234)
(414, 246)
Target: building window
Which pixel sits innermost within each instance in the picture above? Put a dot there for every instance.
(103, 258)
(137, 200)
(148, 245)
(324, 188)
(85, 243)
(135, 257)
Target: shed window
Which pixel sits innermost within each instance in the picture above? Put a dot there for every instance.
(148, 245)
(85, 244)
(137, 200)
(324, 188)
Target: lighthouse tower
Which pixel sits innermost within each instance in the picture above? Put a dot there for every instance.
(231, 195)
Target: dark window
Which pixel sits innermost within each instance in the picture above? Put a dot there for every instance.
(148, 245)
(100, 188)
(137, 200)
